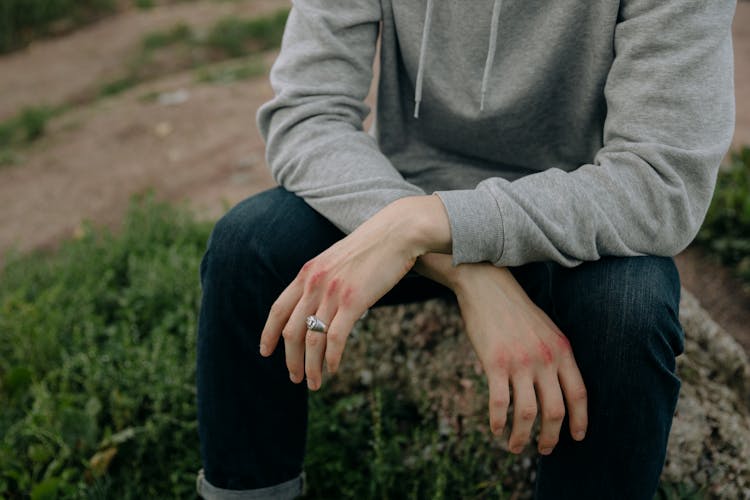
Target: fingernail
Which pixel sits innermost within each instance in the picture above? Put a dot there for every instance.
(516, 449)
(291, 377)
(580, 435)
(545, 451)
(263, 349)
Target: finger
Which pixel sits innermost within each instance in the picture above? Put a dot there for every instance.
(338, 331)
(315, 348)
(552, 410)
(294, 333)
(524, 412)
(575, 396)
(278, 317)
(499, 401)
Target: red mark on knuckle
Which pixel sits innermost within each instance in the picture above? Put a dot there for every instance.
(348, 297)
(528, 413)
(333, 287)
(524, 357)
(501, 359)
(317, 277)
(545, 352)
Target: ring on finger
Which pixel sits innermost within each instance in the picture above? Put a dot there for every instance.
(315, 324)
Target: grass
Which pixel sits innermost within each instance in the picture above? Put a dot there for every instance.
(726, 231)
(238, 37)
(26, 127)
(231, 73)
(181, 47)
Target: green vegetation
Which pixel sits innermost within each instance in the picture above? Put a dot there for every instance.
(97, 350)
(239, 37)
(181, 47)
(26, 127)
(179, 33)
(726, 230)
(23, 20)
(231, 73)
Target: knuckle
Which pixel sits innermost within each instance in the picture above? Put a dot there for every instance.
(275, 311)
(289, 335)
(314, 340)
(578, 394)
(500, 401)
(335, 337)
(306, 268)
(555, 414)
(527, 412)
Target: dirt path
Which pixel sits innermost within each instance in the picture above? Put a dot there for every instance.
(71, 68)
(206, 149)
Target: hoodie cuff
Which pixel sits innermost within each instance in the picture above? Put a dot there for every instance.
(476, 225)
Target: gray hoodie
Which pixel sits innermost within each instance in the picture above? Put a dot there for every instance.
(559, 130)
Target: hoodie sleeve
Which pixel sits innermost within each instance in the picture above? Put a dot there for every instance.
(670, 118)
(313, 128)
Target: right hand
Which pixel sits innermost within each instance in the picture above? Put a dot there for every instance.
(518, 345)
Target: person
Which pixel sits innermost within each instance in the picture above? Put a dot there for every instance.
(541, 162)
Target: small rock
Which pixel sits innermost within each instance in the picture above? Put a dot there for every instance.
(163, 129)
(173, 98)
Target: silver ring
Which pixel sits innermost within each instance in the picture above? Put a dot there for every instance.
(314, 324)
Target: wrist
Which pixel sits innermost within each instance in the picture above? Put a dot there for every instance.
(424, 224)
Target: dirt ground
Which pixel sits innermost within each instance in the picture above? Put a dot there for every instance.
(205, 149)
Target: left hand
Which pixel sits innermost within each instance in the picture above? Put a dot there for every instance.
(340, 284)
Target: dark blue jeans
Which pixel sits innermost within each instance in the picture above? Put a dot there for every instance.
(619, 313)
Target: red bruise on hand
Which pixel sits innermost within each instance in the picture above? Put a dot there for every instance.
(562, 342)
(524, 356)
(502, 359)
(332, 287)
(317, 277)
(546, 352)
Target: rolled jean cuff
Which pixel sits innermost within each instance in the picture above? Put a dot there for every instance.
(287, 490)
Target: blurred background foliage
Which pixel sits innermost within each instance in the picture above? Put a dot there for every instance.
(21, 21)
(726, 231)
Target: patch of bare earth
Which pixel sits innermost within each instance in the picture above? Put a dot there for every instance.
(72, 68)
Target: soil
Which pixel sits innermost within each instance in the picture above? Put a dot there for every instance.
(205, 149)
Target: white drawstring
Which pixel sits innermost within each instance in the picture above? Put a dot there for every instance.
(487, 64)
(422, 52)
(490, 52)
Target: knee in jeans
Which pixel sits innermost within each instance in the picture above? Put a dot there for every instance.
(232, 242)
(638, 305)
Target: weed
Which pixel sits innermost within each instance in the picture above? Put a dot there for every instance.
(178, 33)
(233, 73)
(118, 86)
(23, 20)
(29, 125)
(144, 4)
(238, 37)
